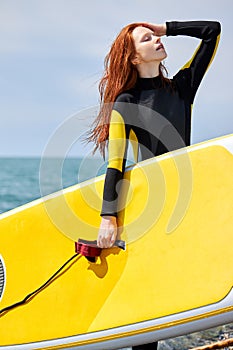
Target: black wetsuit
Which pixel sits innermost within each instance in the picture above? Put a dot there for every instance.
(156, 115)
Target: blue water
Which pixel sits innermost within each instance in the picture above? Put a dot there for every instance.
(25, 179)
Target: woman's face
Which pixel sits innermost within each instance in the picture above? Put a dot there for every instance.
(148, 46)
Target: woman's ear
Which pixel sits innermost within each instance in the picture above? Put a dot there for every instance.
(136, 60)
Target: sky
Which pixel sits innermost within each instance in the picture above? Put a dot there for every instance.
(51, 60)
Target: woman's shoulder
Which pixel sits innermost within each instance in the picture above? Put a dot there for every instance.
(126, 96)
(125, 103)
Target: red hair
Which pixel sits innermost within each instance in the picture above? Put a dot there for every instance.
(120, 74)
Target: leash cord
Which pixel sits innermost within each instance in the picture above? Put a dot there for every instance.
(26, 299)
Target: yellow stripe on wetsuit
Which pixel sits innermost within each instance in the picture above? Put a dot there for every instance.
(117, 141)
(188, 64)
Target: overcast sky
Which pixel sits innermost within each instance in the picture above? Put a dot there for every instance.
(51, 60)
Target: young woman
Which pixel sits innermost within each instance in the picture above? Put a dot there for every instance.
(139, 103)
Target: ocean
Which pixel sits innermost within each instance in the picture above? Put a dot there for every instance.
(24, 179)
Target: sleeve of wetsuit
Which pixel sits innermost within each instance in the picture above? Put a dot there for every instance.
(117, 145)
(191, 74)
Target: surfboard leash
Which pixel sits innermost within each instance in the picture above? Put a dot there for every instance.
(89, 249)
(30, 295)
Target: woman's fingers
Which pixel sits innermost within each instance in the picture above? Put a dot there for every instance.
(158, 29)
(106, 238)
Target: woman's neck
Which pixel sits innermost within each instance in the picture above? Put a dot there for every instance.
(148, 70)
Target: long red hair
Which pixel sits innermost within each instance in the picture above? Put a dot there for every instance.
(120, 74)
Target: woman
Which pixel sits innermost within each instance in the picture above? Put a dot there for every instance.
(139, 103)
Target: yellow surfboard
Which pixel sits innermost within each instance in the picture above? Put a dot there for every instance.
(174, 277)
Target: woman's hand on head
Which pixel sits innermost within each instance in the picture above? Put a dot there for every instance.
(107, 232)
(158, 29)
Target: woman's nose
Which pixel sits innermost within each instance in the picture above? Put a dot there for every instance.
(157, 39)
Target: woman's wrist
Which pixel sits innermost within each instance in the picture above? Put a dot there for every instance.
(163, 29)
(109, 218)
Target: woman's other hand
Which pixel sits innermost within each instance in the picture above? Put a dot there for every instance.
(107, 232)
(158, 29)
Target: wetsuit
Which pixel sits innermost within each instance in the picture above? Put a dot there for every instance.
(155, 115)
